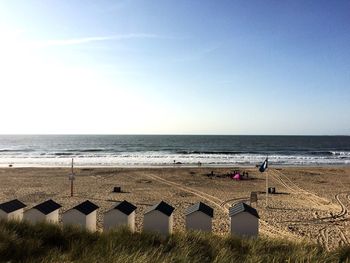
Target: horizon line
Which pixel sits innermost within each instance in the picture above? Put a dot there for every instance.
(159, 134)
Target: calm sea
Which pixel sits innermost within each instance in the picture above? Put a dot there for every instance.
(160, 150)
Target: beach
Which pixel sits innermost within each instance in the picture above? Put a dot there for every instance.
(311, 203)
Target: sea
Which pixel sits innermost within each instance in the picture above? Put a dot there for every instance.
(170, 150)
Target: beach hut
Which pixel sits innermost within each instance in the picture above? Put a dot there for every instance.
(244, 220)
(83, 215)
(199, 217)
(159, 218)
(12, 210)
(122, 214)
(44, 212)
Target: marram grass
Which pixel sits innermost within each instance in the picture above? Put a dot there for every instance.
(23, 242)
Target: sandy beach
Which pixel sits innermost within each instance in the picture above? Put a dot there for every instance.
(311, 202)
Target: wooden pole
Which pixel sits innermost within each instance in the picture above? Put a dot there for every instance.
(71, 181)
(267, 187)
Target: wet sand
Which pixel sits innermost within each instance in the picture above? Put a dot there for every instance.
(311, 202)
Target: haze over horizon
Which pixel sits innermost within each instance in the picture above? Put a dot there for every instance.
(175, 67)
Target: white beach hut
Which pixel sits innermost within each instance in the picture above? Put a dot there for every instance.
(244, 220)
(122, 214)
(83, 215)
(44, 212)
(159, 218)
(199, 217)
(12, 210)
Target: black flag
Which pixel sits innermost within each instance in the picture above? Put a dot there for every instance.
(263, 166)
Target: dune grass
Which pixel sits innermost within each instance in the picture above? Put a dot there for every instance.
(23, 242)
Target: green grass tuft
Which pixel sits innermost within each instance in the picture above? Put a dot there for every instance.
(23, 242)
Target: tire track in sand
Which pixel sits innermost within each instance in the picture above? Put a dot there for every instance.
(267, 229)
(212, 199)
(295, 189)
(344, 211)
(324, 237)
(279, 180)
(311, 196)
(343, 236)
(323, 233)
(291, 188)
(342, 214)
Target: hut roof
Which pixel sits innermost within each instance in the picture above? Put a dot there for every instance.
(243, 207)
(200, 207)
(125, 207)
(12, 206)
(86, 207)
(162, 207)
(47, 207)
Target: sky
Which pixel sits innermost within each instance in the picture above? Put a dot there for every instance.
(175, 67)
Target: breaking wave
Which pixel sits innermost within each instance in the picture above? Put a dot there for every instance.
(155, 150)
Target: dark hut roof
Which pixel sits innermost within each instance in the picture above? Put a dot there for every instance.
(200, 207)
(47, 207)
(12, 206)
(86, 207)
(162, 207)
(243, 207)
(125, 207)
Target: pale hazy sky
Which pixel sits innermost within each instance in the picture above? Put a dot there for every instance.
(175, 67)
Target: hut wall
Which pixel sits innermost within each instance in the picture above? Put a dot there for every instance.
(74, 217)
(34, 216)
(244, 224)
(3, 215)
(199, 221)
(115, 218)
(52, 217)
(156, 221)
(91, 221)
(15, 215)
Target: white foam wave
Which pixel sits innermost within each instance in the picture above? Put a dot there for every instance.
(341, 153)
(166, 158)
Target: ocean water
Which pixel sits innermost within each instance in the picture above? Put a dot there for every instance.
(162, 150)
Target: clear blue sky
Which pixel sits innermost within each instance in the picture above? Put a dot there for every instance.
(175, 67)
